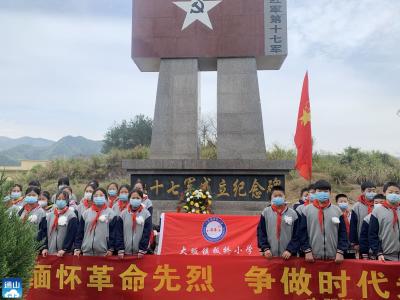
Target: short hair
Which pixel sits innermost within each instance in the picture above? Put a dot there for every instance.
(32, 188)
(139, 192)
(389, 184)
(112, 183)
(367, 185)
(127, 186)
(91, 185)
(35, 183)
(340, 196)
(102, 190)
(322, 185)
(68, 188)
(311, 186)
(303, 190)
(379, 196)
(94, 183)
(65, 194)
(277, 188)
(18, 186)
(63, 181)
(46, 194)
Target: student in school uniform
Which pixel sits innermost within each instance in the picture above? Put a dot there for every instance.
(61, 227)
(365, 252)
(62, 183)
(112, 191)
(145, 201)
(137, 225)
(361, 209)
(72, 200)
(86, 201)
(309, 199)
(325, 236)
(277, 228)
(99, 232)
(32, 212)
(44, 201)
(384, 227)
(123, 199)
(15, 200)
(342, 202)
(303, 197)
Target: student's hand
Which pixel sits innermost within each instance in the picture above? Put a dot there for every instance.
(309, 257)
(121, 255)
(109, 253)
(60, 253)
(286, 255)
(140, 255)
(381, 258)
(339, 258)
(45, 252)
(77, 252)
(268, 254)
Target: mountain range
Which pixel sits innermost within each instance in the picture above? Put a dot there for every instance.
(12, 151)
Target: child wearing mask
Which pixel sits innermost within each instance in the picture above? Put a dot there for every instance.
(361, 209)
(365, 252)
(112, 191)
(123, 199)
(384, 228)
(342, 202)
(100, 229)
(61, 227)
(137, 225)
(323, 228)
(277, 229)
(86, 201)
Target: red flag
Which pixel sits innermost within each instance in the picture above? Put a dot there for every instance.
(303, 138)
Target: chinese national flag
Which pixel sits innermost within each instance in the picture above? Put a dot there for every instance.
(303, 137)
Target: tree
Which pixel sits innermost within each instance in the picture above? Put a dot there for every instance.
(129, 134)
(18, 245)
(207, 131)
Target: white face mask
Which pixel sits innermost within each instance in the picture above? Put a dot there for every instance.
(42, 203)
(377, 205)
(88, 195)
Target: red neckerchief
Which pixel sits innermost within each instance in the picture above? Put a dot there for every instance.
(346, 221)
(28, 208)
(307, 201)
(111, 200)
(122, 204)
(279, 212)
(367, 203)
(56, 214)
(321, 208)
(394, 210)
(134, 213)
(98, 210)
(86, 203)
(16, 201)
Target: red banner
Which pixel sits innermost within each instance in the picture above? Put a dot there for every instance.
(191, 234)
(210, 277)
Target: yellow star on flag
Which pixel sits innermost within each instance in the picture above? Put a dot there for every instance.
(306, 117)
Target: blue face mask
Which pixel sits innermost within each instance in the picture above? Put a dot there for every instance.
(135, 203)
(393, 198)
(343, 206)
(31, 199)
(112, 192)
(322, 196)
(370, 195)
(61, 204)
(123, 197)
(99, 201)
(15, 195)
(278, 201)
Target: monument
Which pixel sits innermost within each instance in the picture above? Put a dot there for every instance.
(236, 38)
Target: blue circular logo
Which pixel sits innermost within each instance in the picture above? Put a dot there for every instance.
(213, 229)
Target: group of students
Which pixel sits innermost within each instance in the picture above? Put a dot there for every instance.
(105, 222)
(317, 229)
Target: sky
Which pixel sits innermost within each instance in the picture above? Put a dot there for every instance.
(65, 69)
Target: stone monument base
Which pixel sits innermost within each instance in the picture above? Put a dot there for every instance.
(233, 183)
